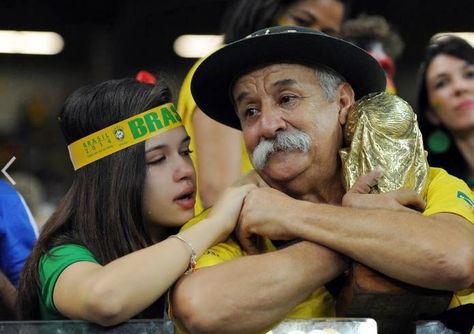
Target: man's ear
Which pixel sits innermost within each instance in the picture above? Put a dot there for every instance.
(345, 98)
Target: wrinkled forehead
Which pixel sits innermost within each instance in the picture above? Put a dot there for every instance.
(272, 72)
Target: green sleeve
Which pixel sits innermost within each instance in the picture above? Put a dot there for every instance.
(52, 265)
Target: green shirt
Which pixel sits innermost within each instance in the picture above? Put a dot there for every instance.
(50, 267)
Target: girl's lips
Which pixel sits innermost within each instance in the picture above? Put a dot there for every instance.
(465, 105)
(186, 202)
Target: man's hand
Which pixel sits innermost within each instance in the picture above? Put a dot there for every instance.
(402, 199)
(266, 213)
(225, 212)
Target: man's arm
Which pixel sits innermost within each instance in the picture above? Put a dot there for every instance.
(221, 145)
(251, 293)
(434, 252)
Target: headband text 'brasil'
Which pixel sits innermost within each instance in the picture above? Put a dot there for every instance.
(123, 134)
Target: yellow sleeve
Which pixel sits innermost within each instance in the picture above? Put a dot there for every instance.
(447, 193)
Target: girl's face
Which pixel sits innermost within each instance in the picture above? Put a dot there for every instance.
(170, 187)
(450, 85)
(322, 15)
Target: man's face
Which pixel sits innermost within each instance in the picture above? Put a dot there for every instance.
(322, 15)
(279, 100)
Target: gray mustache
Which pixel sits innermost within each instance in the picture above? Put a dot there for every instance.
(291, 140)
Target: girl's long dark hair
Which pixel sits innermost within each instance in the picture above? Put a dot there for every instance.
(103, 208)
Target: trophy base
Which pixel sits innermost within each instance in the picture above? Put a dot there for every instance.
(393, 304)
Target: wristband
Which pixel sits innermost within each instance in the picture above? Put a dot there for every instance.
(193, 257)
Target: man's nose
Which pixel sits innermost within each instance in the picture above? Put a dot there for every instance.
(271, 122)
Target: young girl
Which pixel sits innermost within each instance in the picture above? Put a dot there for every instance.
(108, 254)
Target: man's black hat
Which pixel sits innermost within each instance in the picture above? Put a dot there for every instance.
(213, 80)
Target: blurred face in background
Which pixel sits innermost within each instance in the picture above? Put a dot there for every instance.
(322, 15)
(450, 86)
(376, 50)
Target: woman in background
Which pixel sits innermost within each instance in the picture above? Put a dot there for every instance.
(446, 106)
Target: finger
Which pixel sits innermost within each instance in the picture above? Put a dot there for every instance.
(409, 198)
(248, 188)
(249, 242)
(365, 182)
(251, 246)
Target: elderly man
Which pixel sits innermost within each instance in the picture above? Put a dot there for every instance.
(292, 89)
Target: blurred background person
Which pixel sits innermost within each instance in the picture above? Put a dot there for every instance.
(375, 35)
(8, 297)
(446, 105)
(222, 145)
(18, 233)
(34, 194)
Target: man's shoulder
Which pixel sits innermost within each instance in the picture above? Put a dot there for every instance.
(447, 193)
(438, 177)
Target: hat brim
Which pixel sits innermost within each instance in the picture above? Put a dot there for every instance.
(211, 83)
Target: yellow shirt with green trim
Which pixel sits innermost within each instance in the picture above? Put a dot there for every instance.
(446, 193)
(450, 194)
(185, 108)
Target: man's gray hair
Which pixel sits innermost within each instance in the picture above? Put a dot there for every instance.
(329, 80)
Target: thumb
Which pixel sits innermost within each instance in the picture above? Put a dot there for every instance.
(365, 182)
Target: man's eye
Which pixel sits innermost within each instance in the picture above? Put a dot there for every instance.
(288, 99)
(250, 112)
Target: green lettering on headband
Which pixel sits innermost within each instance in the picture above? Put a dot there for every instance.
(138, 128)
(123, 134)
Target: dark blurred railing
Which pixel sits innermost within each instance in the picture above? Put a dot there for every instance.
(157, 326)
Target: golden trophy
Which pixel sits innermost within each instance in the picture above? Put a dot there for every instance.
(382, 130)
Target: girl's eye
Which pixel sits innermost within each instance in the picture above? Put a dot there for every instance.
(440, 84)
(186, 152)
(299, 21)
(157, 161)
(469, 74)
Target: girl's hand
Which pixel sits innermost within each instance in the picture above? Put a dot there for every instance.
(225, 213)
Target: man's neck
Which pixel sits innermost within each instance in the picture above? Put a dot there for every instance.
(329, 191)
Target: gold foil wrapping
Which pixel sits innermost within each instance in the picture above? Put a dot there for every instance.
(382, 130)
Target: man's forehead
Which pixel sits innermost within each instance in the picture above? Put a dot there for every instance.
(275, 72)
